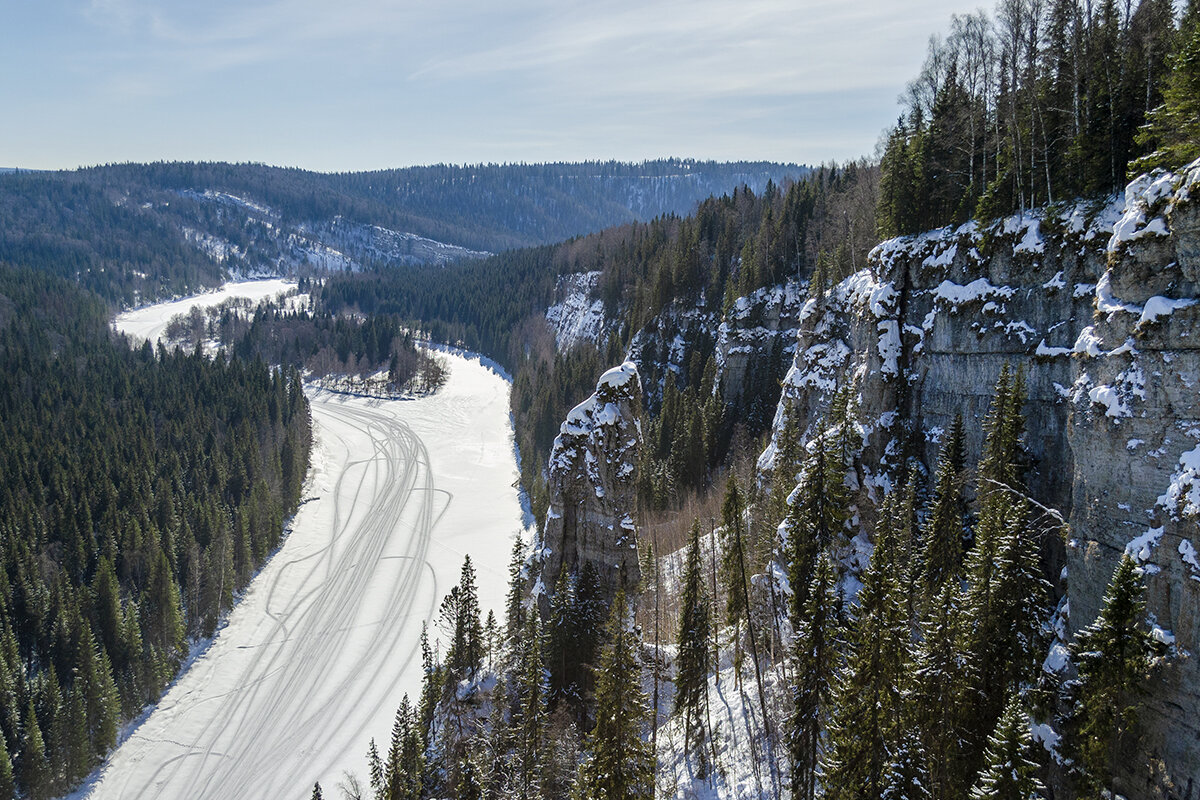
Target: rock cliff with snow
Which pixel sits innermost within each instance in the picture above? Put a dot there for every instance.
(592, 483)
(1099, 306)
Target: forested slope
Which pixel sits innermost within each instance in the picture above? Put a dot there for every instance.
(141, 490)
(878, 607)
(135, 232)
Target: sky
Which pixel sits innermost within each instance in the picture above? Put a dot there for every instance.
(338, 85)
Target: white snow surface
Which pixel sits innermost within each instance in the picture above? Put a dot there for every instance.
(1159, 306)
(315, 657)
(149, 322)
(956, 294)
(1183, 493)
(577, 316)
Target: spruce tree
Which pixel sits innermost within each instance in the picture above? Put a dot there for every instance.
(872, 684)
(8, 787)
(1009, 772)
(35, 771)
(942, 676)
(461, 607)
(820, 504)
(1173, 128)
(403, 771)
(621, 764)
(694, 660)
(514, 621)
(941, 555)
(789, 458)
(529, 719)
(813, 653)
(560, 642)
(1113, 657)
(1002, 466)
(733, 558)
(907, 770)
(316, 792)
(375, 772)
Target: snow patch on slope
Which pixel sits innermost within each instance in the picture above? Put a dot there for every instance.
(577, 317)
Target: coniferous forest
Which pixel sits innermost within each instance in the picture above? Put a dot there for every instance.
(892, 648)
(141, 491)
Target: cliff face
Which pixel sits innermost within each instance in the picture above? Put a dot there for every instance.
(757, 324)
(592, 476)
(1096, 305)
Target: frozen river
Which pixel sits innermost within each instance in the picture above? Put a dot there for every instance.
(316, 656)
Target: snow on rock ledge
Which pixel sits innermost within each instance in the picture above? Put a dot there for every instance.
(592, 479)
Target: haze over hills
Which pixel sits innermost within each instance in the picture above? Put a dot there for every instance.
(132, 232)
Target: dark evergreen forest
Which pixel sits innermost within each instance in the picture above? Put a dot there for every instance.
(141, 491)
(1042, 103)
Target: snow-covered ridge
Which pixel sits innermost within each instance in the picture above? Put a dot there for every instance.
(332, 245)
(1149, 200)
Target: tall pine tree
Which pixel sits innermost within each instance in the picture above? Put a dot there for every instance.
(621, 763)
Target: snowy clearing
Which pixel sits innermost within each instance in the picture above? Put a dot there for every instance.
(314, 659)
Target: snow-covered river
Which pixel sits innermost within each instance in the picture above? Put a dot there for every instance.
(318, 653)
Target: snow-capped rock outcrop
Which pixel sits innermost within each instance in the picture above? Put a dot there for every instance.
(592, 477)
(1098, 306)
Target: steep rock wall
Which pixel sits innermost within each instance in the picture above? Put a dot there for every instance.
(1095, 304)
(592, 479)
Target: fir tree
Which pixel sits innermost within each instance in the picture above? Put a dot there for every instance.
(1113, 657)
(1009, 773)
(621, 764)
(316, 792)
(694, 660)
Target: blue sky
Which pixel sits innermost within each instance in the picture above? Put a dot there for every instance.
(365, 84)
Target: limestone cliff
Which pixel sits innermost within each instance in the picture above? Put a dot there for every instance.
(592, 477)
(1098, 305)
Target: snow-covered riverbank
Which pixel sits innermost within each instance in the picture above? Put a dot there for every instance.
(315, 658)
(149, 322)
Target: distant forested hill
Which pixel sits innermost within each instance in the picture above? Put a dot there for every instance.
(133, 232)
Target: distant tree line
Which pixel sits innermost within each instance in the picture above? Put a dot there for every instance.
(315, 341)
